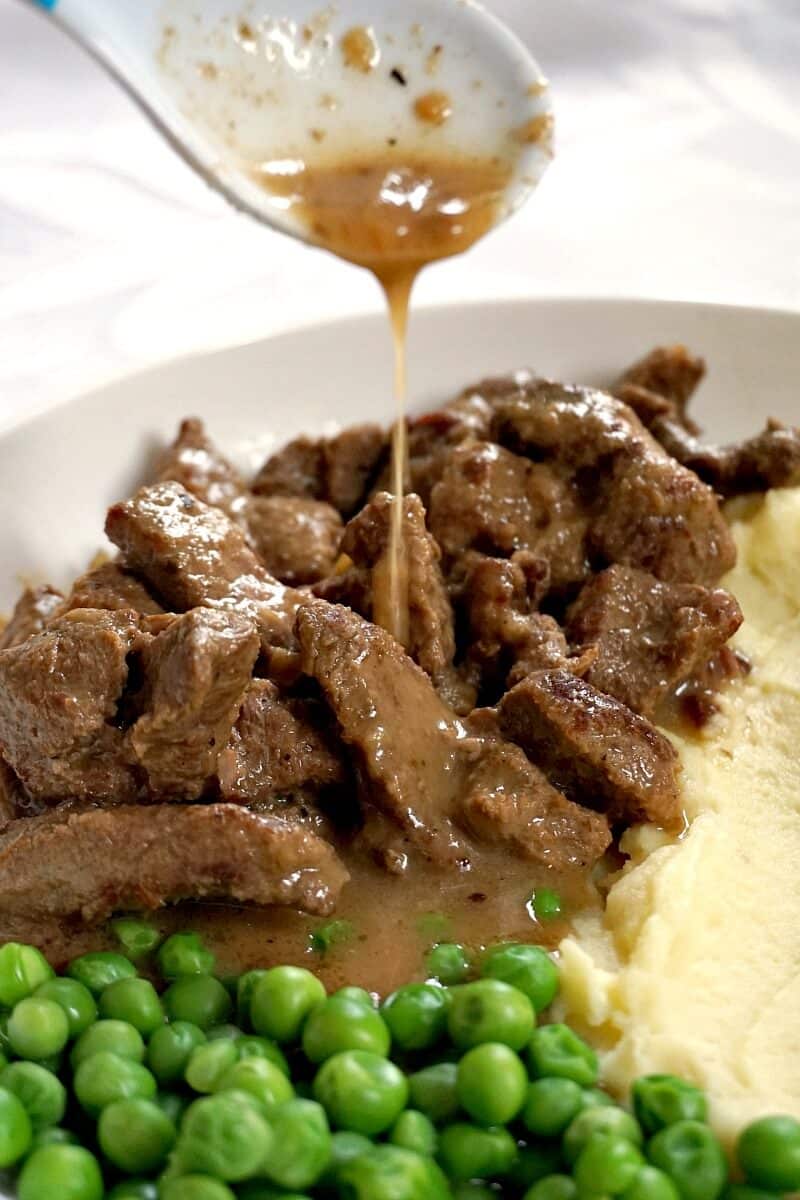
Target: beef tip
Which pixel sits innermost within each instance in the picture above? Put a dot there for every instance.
(432, 436)
(87, 864)
(648, 406)
(193, 554)
(196, 673)
(645, 509)
(296, 539)
(496, 502)
(111, 586)
(649, 636)
(59, 693)
(195, 462)
(12, 796)
(33, 610)
(769, 459)
(419, 764)
(429, 638)
(594, 748)
(278, 747)
(668, 372)
(336, 469)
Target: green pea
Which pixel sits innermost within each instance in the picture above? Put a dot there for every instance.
(260, 1047)
(492, 1082)
(226, 1032)
(692, 1157)
(490, 1011)
(104, 1078)
(448, 962)
(661, 1100)
(68, 1172)
(769, 1153)
(606, 1164)
(361, 1091)
(414, 1131)
(550, 1105)
(245, 986)
(556, 1050)
(208, 1063)
(136, 937)
(474, 1191)
(98, 971)
(222, 1137)
(135, 1135)
(37, 1028)
(195, 1187)
(170, 1048)
(613, 1122)
(742, 1191)
(302, 1146)
(115, 1037)
(53, 1135)
(22, 970)
(416, 1015)
(184, 954)
(135, 1001)
(467, 1152)
(134, 1189)
(200, 999)
(358, 994)
(535, 1161)
(342, 1022)
(392, 1173)
(265, 1191)
(330, 935)
(544, 904)
(75, 999)
(16, 1132)
(651, 1184)
(345, 1146)
(173, 1104)
(529, 968)
(42, 1094)
(281, 1001)
(594, 1097)
(553, 1187)
(434, 1091)
(259, 1078)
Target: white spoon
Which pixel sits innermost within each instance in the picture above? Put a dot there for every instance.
(232, 86)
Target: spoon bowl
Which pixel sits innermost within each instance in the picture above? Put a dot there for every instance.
(236, 86)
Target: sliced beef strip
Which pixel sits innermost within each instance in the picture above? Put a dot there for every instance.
(278, 748)
(366, 586)
(193, 554)
(59, 693)
(296, 539)
(593, 747)
(196, 673)
(195, 462)
(767, 460)
(420, 766)
(645, 509)
(670, 373)
(336, 469)
(111, 586)
(649, 636)
(31, 613)
(86, 864)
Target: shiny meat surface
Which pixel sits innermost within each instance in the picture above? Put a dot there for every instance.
(111, 586)
(336, 469)
(296, 539)
(32, 611)
(195, 462)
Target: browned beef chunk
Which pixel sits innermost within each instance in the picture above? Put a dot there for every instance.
(296, 539)
(193, 554)
(496, 502)
(90, 863)
(769, 459)
(419, 765)
(195, 462)
(668, 373)
(593, 747)
(59, 692)
(336, 469)
(278, 747)
(111, 586)
(645, 509)
(33, 610)
(12, 797)
(366, 587)
(432, 436)
(196, 673)
(649, 636)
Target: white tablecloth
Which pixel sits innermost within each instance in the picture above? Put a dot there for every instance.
(677, 175)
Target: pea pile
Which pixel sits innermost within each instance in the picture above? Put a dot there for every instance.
(264, 1086)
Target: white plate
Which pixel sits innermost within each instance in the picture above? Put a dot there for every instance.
(59, 471)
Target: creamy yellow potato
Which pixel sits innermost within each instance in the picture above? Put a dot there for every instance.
(694, 968)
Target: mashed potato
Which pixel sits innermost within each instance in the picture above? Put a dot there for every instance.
(694, 968)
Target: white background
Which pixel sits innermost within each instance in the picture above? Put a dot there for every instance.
(677, 175)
